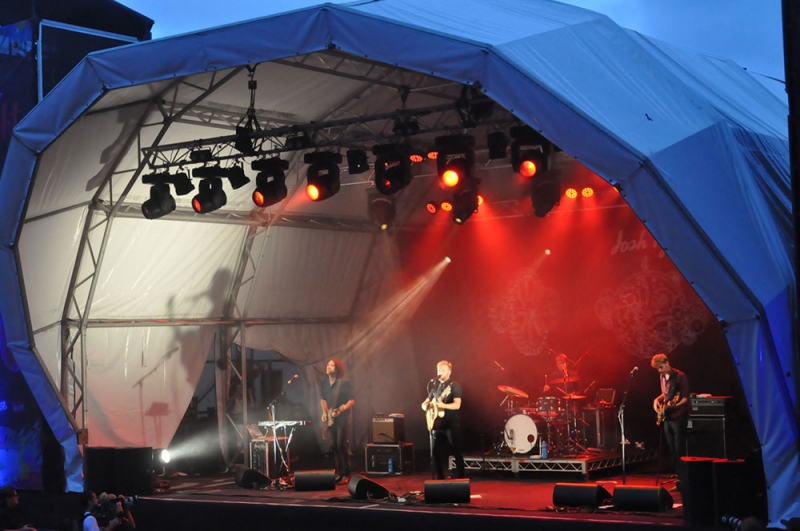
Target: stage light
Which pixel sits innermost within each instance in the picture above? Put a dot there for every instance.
(587, 192)
(571, 193)
(164, 456)
(534, 158)
(236, 177)
(392, 168)
(297, 142)
(201, 155)
(431, 207)
(497, 144)
(454, 174)
(243, 142)
(405, 127)
(464, 205)
(382, 210)
(447, 206)
(270, 182)
(416, 158)
(322, 175)
(545, 194)
(160, 203)
(357, 161)
(183, 183)
(433, 155)
(211, 196)
(480, 199)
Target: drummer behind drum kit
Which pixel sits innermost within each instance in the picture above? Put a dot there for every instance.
(552, 420)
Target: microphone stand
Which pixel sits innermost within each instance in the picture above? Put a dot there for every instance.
(276, 448)
(621, 418)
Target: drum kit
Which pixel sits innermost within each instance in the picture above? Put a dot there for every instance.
(550, 419)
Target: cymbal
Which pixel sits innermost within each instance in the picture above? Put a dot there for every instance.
(513, 391)
(573, 396)
(564, 380)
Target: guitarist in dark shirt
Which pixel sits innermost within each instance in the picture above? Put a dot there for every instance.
(336, 402)
(672, 409)
(442, 408)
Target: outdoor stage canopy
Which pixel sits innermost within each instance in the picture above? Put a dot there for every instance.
(110, 316)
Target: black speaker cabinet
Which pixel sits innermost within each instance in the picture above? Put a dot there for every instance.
(600, 427)
(705, 437)
(377, 458)
(650, 499)
(698, 491)
(388, 430)
(739, 489)
(579, 495)
(100, 470)
(249, 478)
(315, 480)
(125, 471)
(447, 491)
(362, 488)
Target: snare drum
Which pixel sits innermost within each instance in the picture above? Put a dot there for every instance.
(521, 433)
(548, 406)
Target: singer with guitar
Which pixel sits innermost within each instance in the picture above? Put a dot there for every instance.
(336, 402)
(442, 412)
(672, 410)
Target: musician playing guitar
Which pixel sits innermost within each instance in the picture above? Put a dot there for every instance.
(336, 402)
(442, 410)
(672, 410)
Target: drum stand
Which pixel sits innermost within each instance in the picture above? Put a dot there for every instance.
(570, 445)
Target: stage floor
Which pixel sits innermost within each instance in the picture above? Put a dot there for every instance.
(497, 497)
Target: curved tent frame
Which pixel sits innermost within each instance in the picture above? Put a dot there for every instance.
(696, 146)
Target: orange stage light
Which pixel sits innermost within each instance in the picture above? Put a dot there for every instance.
(480, 199)
(447, 206)
(587, 192)
(431, 207)
(312, 192)
(528, 168)
(416, 158)
(433, 155)
(451, 178)
(571, 193)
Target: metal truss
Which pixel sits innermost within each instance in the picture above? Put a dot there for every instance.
(584, 464)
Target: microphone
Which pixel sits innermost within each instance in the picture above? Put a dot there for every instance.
(293, 378)
(633, 371)
(434, 380)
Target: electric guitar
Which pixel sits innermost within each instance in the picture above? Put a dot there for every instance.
(433, 412)
(332, 414)
(662, 410)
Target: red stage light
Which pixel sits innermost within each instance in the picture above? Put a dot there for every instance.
(416, 158)
(480, 199)
(451, 178)
(587, 192)
(196, 205)
(447, 206)
(431, 207)
(571, 193)
(433, 155)
(312, 192)
(258, 198)
(528, 168)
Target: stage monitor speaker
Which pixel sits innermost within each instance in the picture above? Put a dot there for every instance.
(362, 488)
(133, 471)
(249, 478)
(447, 491)
(579, 495)
(650, 499)
(315, 480)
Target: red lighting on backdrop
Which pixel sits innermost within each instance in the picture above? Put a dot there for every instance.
(571, 193)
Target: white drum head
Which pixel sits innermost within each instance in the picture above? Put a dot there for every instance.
(520, 434)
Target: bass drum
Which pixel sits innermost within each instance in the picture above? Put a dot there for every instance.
(521, 433)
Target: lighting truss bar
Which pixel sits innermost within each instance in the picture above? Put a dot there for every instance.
(116, 323)
(290, 130)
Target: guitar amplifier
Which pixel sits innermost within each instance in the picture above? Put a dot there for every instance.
(709, 406)
(388, 430)
(377, 458)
